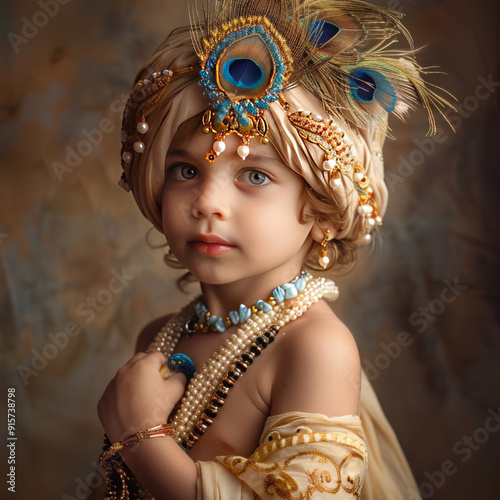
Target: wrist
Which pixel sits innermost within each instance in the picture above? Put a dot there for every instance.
(161, 430)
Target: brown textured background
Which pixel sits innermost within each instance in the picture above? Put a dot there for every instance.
(63, 238)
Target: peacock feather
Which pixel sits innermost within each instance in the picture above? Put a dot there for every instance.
(340, 50)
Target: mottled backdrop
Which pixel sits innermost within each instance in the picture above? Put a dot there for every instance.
(78, 280)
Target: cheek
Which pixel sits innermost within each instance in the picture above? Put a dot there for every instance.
(177, 201)
(174, 214)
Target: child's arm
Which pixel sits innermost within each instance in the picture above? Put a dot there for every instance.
(318, 370)
(136, 399)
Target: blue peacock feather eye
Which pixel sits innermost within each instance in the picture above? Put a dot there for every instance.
(243, 73)
(321, 32)
(368, 85)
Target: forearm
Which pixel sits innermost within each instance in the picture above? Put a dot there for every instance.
(163, 468)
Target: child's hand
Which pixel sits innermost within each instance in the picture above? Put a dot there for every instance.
(138, 397)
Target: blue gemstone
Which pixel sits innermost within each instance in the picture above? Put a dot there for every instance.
(220, 325)
(279, 294)
(211, 320)
(234, 317)
(200, 309)
(300, 283)
(250, 107)
(263, 306)
(290, 291)
(245, 313)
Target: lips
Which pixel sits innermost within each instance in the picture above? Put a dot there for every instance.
(210, 244)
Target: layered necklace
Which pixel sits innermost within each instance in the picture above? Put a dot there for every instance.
(208, 388)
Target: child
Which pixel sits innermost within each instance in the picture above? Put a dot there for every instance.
(276, 405)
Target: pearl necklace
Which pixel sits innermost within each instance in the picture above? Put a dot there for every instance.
(205, 382)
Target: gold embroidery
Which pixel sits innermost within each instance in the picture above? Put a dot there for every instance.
(323, 474)
(303, 438)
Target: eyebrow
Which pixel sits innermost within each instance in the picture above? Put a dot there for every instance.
(179, 152)
(252, 157)
(264, 158)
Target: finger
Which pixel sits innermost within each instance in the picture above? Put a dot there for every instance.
(135, 358)
(177, 385)
(155, 358)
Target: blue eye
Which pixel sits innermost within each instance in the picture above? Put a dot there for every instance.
(255, 177)
(182, 172)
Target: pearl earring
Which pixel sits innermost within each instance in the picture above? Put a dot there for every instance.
(323, 259)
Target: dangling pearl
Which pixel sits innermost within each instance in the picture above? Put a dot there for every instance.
(324, 261)
(329, 165)
(127, 156)
(243, 151)
(378, 220)
(335, 183)
(371, 222)
(365, 210)
(139, 147)
(219, 147)
(142, 127)
(367, 238)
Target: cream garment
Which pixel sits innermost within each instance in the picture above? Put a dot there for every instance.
(301, 456)
(389, 476)
(309, 456)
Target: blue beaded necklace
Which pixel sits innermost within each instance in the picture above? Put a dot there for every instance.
(208, 322)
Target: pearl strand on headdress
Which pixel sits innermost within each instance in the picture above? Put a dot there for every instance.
(205, 381)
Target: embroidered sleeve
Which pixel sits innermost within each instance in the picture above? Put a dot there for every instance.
(301, 457)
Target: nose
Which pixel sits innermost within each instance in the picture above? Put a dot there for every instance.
(210, 200)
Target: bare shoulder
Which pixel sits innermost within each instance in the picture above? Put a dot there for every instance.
(318, 366)
(149, 332)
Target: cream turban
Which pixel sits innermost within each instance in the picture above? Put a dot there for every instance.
(183, 100)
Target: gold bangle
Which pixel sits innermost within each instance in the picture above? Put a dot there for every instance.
(162, 430)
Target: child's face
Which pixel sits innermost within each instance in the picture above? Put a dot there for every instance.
(232, 219)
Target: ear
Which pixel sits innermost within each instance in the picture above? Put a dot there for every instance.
(319, 229)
